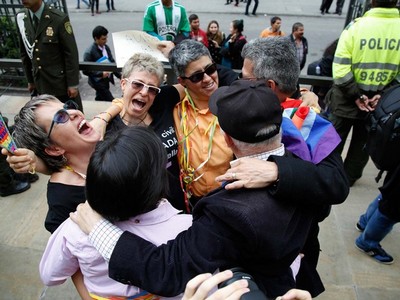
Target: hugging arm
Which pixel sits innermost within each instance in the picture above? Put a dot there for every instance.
(311, 183)
(166, 269)
(288, 176)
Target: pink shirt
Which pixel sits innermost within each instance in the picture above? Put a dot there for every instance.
(69, 249)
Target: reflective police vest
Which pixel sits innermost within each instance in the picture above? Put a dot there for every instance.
(369, 50)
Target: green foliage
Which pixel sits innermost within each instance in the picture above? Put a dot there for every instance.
(8, 42)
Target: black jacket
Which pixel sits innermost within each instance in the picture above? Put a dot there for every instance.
(323, 185)
(93, 54)
(234, 50)
(305, 50)
(245, 227)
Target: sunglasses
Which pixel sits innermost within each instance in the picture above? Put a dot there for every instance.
(62, 116)
(138, 86)
(197, 77)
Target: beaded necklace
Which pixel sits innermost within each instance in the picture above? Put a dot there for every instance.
(187, 172)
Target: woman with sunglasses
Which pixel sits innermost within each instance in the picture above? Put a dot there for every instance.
(203, 153)
(144, 103)
(126, 182)
(63, 141)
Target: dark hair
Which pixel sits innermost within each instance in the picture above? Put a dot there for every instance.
(28, 134)
(238, 25)
(296, 26)
(193, 17)
(274, 19)
(127, 174)
(384, 3)
(218, 37)
(330, 50)
(99, 31)
(184, 53)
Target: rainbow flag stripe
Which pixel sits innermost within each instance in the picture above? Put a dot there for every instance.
(6, 140)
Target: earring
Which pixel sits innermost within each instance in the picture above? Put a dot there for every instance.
(64, 159)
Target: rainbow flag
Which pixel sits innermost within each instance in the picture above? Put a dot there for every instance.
(316, 138)
(6, 140)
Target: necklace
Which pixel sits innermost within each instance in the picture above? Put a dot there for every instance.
(189, 173)
(69, 168)
(132, 123)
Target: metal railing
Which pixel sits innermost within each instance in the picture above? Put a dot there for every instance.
(16, 64)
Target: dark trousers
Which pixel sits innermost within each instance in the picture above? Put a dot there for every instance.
(325, 5)
(6, 173)
(339, 6)
(254, 8)
(308, 277)
(390, 203)
(103, 94)
(108, 4)
(97, 5)
(77, 100)
(356, 158)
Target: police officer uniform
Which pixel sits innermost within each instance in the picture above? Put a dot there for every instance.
(366, 61)
(49, 52)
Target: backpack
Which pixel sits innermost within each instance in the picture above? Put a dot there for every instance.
(383, 126)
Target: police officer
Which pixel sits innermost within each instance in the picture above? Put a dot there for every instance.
(366, 62)
(48, 51)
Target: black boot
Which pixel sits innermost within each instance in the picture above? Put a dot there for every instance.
(15, 187)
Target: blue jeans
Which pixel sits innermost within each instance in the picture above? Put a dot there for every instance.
(376, 226)
(84, 1)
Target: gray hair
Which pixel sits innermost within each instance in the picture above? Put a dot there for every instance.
(27, 134)
(267, 145)
(143, 62)
(184, 53)
(274, 59)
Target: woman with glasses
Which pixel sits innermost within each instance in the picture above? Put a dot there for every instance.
(63, 141)
(126, 182)
(203, 153)
(144, 103)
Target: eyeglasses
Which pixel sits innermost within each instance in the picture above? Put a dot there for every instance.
(197, 77)
(138, 86)
(62, 116)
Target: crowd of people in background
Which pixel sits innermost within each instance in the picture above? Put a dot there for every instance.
(193, 133)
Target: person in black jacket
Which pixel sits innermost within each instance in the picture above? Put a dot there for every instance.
(274, 60)
(100, 52)
(232, 46)
(300, 43)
